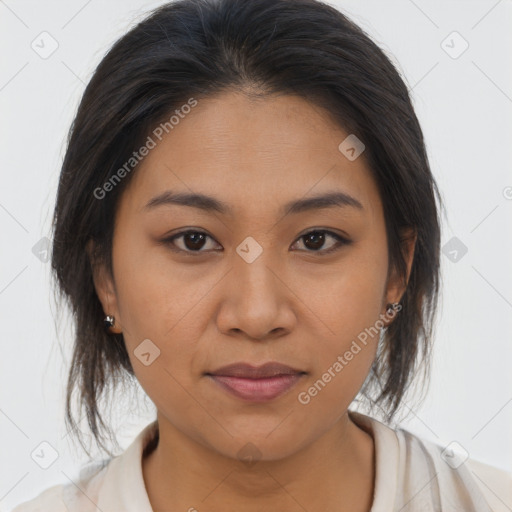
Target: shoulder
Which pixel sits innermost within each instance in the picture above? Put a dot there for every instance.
(69, 497)
(50, 499)
(116, 484)
(414, 473)
(495, 484)
(456, 475)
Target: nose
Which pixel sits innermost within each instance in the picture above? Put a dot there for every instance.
(256, 303)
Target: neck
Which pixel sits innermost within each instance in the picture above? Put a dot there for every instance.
(336, 472)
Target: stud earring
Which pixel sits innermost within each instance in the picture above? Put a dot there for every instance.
(392, 306)
(109, 322)
(391, 311)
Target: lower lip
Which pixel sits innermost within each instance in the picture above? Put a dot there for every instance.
(257, 390)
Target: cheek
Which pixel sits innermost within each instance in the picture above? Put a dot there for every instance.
(349, 309)
(156, 306)
(161, 303)
(342, 357)
(152, 294)
(349, 298)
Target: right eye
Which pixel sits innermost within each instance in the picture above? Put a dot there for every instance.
(192, 241)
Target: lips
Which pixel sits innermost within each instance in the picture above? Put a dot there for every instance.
(247, 371)
(256, 384)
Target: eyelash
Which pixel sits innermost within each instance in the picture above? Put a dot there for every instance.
(342, 241)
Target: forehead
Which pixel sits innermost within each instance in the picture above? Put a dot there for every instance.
(252, 154)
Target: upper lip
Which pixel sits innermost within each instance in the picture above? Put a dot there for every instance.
(249, 371)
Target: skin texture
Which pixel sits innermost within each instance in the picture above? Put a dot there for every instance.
(292, 305)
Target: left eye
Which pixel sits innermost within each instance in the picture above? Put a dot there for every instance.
(193, 241)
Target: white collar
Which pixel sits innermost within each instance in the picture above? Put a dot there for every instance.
(123, 485)
(121, 482)
(124, 489)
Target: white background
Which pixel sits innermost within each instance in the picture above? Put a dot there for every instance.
(464, 105)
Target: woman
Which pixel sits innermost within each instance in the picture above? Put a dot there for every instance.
(247, 207)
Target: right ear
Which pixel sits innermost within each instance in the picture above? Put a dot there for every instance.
(104, 286)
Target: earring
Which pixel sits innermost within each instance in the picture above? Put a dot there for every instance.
(391, 310)
(109, 321)
(392, 306)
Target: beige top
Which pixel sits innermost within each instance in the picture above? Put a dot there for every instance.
(412, 474)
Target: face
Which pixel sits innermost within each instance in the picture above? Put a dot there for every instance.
(203, 288)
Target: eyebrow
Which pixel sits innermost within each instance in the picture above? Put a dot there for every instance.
(211, 204)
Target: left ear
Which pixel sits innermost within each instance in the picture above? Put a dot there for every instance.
(396, 285)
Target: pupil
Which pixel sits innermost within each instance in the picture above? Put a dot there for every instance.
(319, 238)
(197, 238)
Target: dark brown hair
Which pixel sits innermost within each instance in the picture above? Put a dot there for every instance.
(198, 48)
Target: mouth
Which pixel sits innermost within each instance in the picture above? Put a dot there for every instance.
(256, 384)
